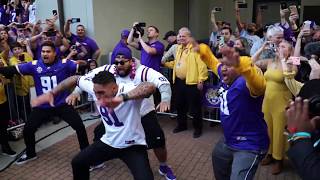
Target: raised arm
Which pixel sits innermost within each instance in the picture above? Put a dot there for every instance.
(67, 31)
(253, 75)
(213, 21)
(238, 19)
(208, 58)
(130, 39)
(283, 13)
(297, 48)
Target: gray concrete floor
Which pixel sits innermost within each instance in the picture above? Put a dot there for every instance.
(44, 130)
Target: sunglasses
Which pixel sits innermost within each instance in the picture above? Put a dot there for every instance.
(120, 62)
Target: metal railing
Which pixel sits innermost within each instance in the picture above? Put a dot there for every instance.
(19, 113)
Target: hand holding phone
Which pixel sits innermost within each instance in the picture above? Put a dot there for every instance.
(216, 9)
(293, 9)
(75, 20)
(283, 5)
(54, 12)
(294, 60)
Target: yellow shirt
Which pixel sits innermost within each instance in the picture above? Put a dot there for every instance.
(256, 82)
(196, 69)
(181, 66)
(3, 97)
(22, 83)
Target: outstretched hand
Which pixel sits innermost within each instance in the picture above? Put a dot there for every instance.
(42, 99)
(115, 102)
(229, 56)
(73, 98)
(163, 106)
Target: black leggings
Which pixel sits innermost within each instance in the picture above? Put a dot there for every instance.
(135, 157)
(39, 115)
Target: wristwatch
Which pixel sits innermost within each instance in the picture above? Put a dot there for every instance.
(125, 97)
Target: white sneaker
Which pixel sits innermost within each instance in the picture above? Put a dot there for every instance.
(99, 166)
(24, 158)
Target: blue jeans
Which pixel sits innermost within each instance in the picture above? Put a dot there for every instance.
(234, 164)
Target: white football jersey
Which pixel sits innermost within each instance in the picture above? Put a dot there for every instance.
(122, 124)
(143, 74)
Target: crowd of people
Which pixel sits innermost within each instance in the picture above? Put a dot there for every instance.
(268, 90)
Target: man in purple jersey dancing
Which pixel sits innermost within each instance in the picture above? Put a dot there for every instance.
(47, 73)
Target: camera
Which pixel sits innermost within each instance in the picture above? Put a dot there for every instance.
(284, 5)
(21, 26)
(139, 27)
(73, 47)
(217, 9)
(272, 47)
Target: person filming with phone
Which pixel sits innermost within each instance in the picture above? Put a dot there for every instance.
(82, 40)
(22, 83)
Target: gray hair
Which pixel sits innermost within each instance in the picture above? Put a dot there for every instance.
(274, 29)
(185, 29)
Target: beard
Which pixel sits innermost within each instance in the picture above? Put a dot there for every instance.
(124, 73)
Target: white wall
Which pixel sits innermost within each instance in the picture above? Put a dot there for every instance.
(80, 9)
(44, 9)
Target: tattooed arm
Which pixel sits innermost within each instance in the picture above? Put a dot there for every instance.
(67, 84)
(143, 90)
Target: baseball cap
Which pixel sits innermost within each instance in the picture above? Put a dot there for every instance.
(125, 33)
(125, 52)
(169, 33)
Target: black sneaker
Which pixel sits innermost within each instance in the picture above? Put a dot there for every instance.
(24, 158)
(9, 152)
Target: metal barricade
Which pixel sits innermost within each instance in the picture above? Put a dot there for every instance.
(210, 102)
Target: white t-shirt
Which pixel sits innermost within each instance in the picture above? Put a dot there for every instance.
(143, 74)
(122, 124)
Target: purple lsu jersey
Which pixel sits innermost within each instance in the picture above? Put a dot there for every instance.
(241, 116)
(47, 77)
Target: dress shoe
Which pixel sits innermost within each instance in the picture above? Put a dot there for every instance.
(267, 160)
(179, 129)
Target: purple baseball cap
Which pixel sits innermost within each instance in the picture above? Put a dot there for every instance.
(124, 52)
(125, 33)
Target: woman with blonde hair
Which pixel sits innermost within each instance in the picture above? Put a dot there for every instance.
(277, 96)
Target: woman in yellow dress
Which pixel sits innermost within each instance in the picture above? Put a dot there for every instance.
(277, 96)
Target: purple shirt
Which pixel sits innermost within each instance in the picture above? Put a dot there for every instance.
(152, 60)
(47, 77)
(90, 45)
(241, 116)
(120, 45)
